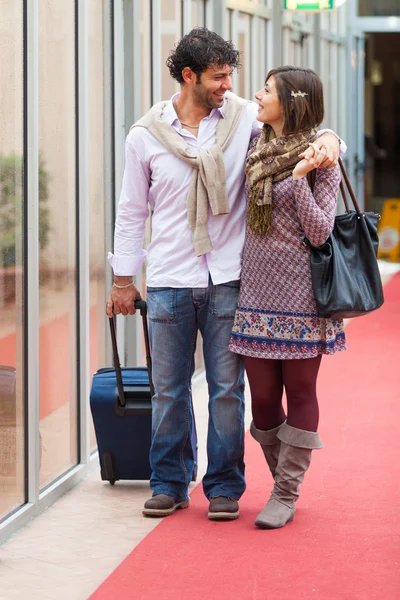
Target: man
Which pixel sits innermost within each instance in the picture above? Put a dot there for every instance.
(185, 159)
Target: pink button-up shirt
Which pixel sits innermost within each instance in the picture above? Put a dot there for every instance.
(154, 177)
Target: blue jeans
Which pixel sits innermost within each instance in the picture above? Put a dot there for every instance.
(175, 317)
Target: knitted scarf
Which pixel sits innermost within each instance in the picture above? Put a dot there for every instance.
(208, 184)
(272, 160)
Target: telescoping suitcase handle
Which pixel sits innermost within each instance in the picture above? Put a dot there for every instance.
(142, 306)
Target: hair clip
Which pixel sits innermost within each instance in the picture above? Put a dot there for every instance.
(299, 93)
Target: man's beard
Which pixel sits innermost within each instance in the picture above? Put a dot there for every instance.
(203, 98)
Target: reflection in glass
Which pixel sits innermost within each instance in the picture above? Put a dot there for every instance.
(378, 8)
(295, 54)
(12, 491)
(198, 13)
(57, 276)
(244, 49)
(145, 56)
(171, 23)
(97, 250)
(262, 30)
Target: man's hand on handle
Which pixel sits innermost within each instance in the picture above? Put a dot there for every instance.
(121, 301)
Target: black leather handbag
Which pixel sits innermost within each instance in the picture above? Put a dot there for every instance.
(345, 274)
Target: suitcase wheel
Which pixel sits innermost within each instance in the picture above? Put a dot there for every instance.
(108, 468)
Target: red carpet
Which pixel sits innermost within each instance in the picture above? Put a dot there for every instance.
(344, 543)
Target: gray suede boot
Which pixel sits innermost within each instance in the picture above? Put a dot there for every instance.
(269, 443)
(294, 460)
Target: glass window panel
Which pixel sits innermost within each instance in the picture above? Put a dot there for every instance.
(228, 23)
(334, 23)
(171, 27)
(378, 8)
(328, 85)
(198, 8)
(145, 55)
(57, 222)
(341, 106)
(145, 59)
(325, 78)
(244, 49)
(306, 52)
(324, 21)
(342, 18)
(12, 466)
(286, 58)
(333, 96)
(262, 42)
(294, 53)
(309, 18)
(97, 248)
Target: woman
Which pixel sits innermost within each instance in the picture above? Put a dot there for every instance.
(276, 326)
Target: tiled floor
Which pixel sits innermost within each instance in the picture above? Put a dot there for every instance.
(66, 552)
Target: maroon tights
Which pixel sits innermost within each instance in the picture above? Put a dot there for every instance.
(268, 377)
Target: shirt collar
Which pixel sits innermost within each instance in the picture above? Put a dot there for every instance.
(169, 113)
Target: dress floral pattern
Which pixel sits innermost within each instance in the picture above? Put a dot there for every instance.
(276, 315)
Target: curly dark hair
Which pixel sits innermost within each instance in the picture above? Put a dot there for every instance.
(199, 50)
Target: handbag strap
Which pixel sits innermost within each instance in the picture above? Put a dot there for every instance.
(142, 306)
(344, 196)
(311, 175)
(351, 192)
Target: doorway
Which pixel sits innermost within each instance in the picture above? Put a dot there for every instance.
(382, 119)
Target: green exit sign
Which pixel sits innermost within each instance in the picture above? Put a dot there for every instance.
(307, 5)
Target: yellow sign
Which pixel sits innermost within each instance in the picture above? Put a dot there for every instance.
(389, 231)
(309, 5)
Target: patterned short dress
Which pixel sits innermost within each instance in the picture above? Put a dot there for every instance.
(276, 315)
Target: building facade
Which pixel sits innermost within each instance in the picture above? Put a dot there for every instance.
(75, 75)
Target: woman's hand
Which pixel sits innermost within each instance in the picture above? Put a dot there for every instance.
(308, 164)
(328, 151)
(302, 168)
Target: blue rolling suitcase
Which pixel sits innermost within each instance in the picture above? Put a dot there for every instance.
(120, 402)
